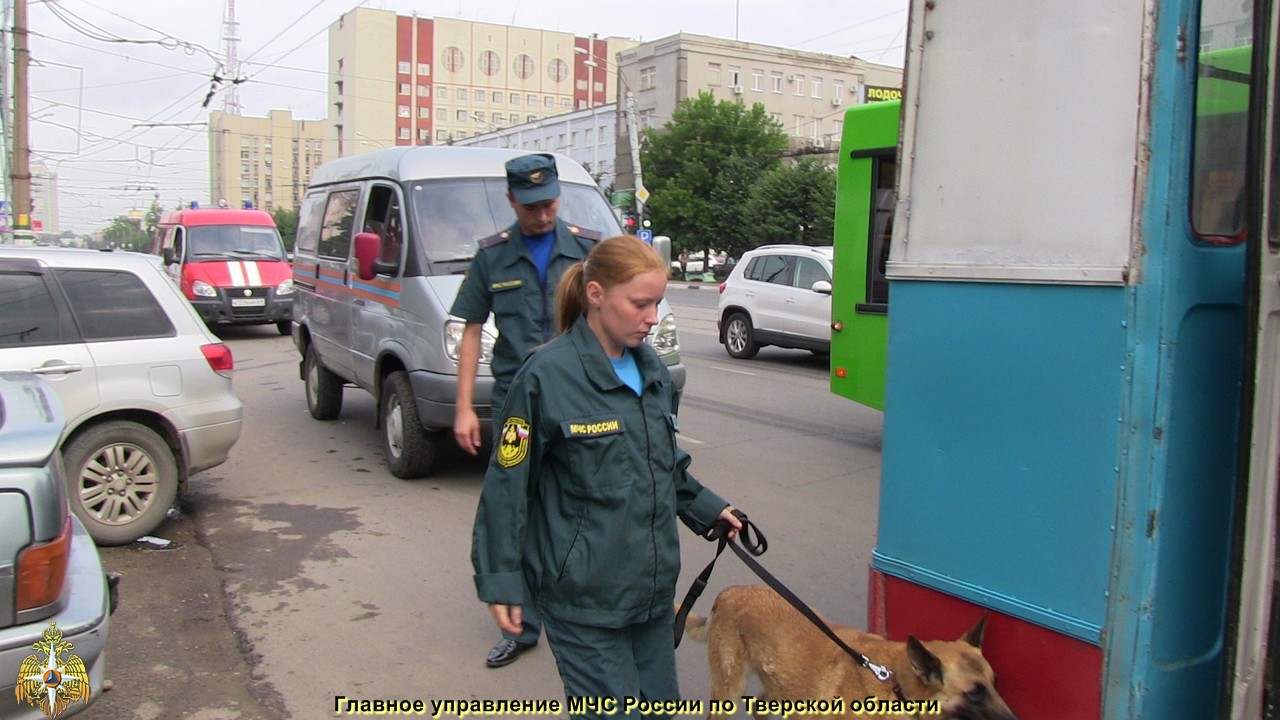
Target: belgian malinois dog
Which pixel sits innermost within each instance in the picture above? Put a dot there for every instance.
(753, 628)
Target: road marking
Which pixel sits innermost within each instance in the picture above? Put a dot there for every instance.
(733, 370)
(686, 439)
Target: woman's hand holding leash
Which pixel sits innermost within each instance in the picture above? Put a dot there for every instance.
(730, 516)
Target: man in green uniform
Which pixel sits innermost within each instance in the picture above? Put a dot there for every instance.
(514, 276)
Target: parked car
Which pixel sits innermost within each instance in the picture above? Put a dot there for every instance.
(384, 239)
(52, 586)
(777, 295)
(145, 386)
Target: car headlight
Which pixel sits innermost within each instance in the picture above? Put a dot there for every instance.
(664, 340)
(201, 288)
(285, 288)
(453, 340)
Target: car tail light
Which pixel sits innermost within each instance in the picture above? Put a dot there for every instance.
(722, 287)
(42, 570)
(219, 357)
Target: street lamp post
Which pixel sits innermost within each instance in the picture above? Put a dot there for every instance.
(633, 139)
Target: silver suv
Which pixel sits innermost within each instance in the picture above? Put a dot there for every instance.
(145, 385)
(52, 587)
(777, 295)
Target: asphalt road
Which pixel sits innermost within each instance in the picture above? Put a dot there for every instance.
(301, 570)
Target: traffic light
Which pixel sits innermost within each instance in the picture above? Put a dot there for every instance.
(645, 222)
(629, 223)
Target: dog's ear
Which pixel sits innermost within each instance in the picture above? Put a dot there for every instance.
(925, 663)
(974, 636)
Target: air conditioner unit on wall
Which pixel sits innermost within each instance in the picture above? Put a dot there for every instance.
(737, 89)
(837, 101)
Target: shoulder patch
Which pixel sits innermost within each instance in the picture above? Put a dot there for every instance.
(513, 442)
(585, 233)
(495, 239)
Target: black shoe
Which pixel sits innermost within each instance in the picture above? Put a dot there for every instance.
(506, 652)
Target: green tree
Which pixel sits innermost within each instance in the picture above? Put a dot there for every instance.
(793, 204)
(152, 220)
(287, 223)
(126, 234)
(700, 168)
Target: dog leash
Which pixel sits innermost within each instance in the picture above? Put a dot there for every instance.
(755, 543)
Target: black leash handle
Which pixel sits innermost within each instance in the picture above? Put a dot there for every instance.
(752, 539)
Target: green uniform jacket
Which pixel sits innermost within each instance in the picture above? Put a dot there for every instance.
(503, 279)
(584, 487)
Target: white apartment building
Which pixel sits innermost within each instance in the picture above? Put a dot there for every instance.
(588, 136)
(264, 160)
(805, 92)
(409, 80)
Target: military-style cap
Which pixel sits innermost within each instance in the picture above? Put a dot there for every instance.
(533, 178)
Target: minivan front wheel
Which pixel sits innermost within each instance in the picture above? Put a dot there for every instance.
(324, 389)
(122, 479)
(738, 341)
(410, 450)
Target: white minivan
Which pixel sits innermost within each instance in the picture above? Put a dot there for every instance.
(384, 240)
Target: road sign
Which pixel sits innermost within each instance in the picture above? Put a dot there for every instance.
(645, 235)
(643, 194)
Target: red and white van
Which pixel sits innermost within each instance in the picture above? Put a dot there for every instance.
(231, 265)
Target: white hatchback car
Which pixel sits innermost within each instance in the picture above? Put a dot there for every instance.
(777, 295)
(145, 385)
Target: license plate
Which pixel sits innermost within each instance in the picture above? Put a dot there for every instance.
(248, 302)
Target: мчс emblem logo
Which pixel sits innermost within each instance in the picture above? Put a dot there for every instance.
(48, 681)
(513, 444)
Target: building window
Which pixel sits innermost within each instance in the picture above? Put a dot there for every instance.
(514, 98)
(799, 129)
(648, 77)
(454, 59)
(558, 70)
(817, 87)
(490, 63)
(497, 118)
(532, 99)
(549, 101)
(735, 76)
(424, 135)
(497, 97)
(403, 66)
(713, 74)
(777, 82)
(479, 95)
(530, 118)
(514, 118)
(424, 69)
(478, 115)
(566, 103)
(424, 113)
(776, 117)
(799, 81)
(404, 133)
(757, 80)
(404, 88)
(524, 67)
(442, 92)
(424, 91)
(441, 136)
(588, 136)
(837, 90)
(462, 116)
(402, 111)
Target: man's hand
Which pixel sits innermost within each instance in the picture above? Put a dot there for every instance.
(466, 429)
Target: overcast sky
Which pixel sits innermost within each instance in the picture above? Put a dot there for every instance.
(90, 92)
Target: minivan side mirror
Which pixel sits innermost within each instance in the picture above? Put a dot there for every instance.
(822, 286)
(368, 248)
(167, 253)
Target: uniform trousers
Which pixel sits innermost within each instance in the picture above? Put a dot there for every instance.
(636, 661)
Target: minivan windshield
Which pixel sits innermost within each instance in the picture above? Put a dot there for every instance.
(452, 215)
(212, 242)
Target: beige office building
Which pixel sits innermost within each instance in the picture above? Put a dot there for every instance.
(807, 93)
(44, 199)
(264, 160)
(408, 80)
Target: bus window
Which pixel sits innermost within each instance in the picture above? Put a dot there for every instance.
(881, 231)
(1222, 103)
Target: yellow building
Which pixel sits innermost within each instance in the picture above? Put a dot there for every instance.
(264, 160)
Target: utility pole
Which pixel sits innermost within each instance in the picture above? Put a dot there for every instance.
(21, 166)
(633, 134)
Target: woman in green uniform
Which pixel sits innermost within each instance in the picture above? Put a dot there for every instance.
(585, 485)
